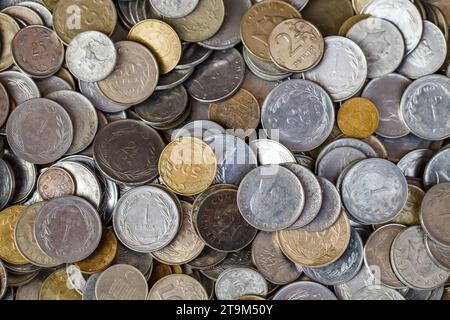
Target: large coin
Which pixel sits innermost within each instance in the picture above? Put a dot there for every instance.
(236, 282)
(177, 287)
(8, 249)
(9, 29)
(304, 290)
(55, 287)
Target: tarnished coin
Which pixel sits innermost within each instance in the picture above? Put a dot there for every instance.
(56, 287)
(71, 18)
(141, 261)
(25, 239)
(135, 77)
(374, 191)
(377, 292)
(342, 71)
(304, 290)
(220, 224)
(217, 78)
(81, 233)
(91, 56)
(439, 253)
(299, 114)
(270, 261)
(8, 184)
(19, 86)
(429, 56)
(55, 182)
(177, 287)
(3, 280)
(382, 44)
(271, 198)
(402, 14)
(161, 39)
(236, 282)
(8, 250)
(296, 45)
(271, 152)
(25, 176)
(187, 166)
(358, 118)
(121, 141)
(316, 249)
(24, 15)
(411, 262)
(52, 84)
(437, 170)
(424, 107)
(9, 29)
(173, 79)
(4, 105)
(174, 8)
(259, 21)
(192, 56)
(90, 91)
(121, 282)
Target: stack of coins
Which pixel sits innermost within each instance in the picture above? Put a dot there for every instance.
(224, 149)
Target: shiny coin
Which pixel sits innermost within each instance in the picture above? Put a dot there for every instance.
(437, 170)
(24, 176)
(174, 8)
(55, 287)
(271, 152)
(8, 250)
(141, 261)
(8, 184)
(304, 290)
(192, 56)
(177, 287)
(52, 84)
(358, 118)
(91, 56)
(19, 86)
(55, 182)
(236, 282)
(377, 292)
(89, 288)
(342, 71)
(363, 279)
(439, 253)
(90, 91)
(121, 282)
(300, 112)
(9, 29)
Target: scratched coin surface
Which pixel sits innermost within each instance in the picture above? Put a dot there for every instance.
(8, 249)
(121, 282)
(236, 282)
(9, 29)
(437, 170)
(304, 290)
(174, 8)
(80, 234)
(55, 287)
(177, 287)
(358, 118)
(55, 182)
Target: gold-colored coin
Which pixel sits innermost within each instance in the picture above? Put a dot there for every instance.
(200, 24)
(316, 249)
(358, 118)
(160, 270)
(162, 41)
(241, 112)
(258, 23)
(350, 22)
(57, 287)
(64, 74)
(8, 29)
(358, 5)
(51, 4)
(187, 166)
(8, 249)
(176, 269)
(72, 17)
(103, 256)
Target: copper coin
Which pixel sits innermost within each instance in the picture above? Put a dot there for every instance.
(55, 182)
(37, 51)
(4, 105)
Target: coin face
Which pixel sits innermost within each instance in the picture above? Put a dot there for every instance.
(55, 182)
(296, 45)
(10, 28)
(434, 217)
(8, 249)
(271, 152)
(55, 287)
(300, 112)
(177, 287)
(135, 77)
(358, 118)
(304, 290)
(436, 171)
(236, 282)
(71, 18)
(3, 280)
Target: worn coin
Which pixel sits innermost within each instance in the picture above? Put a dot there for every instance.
(89, 288)
(177, 287)
(377, 292)
(437, 170)
(8, 184)
(9, 29)
(24, 176)
(55, 182)
(201, 129)
(4, 105)
(271, 152)
(52, 84)
(236, 282)
(141, 261)
(56, 287)
(19, 86)
(304, 290)
(363, 278)
(439, 253)
(8, 250)
(90, 91)
(3, 280)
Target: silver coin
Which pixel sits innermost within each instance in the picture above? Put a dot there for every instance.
(174, 8)
(31, 290)
(141, 261)
(229, 33)
(125, 14)
(89, 288)
(217, 78)
(412, 294)
(9, 3)
(413, 163)
(343, 269)
(121, 282)
(81, 232)
(91, 56)
(270, 198)
(19, 86)
(192, 56)
(237, 282)
(242, 258)
(3, 280)
(271, 152)
(425, 106)
(305, 161)
(343, 69)
(83, 115)
(91, 92)
(429, 56)
(201, 129)
(377, 292)
(7, 185)
(304, 290)
(40, 9)
(382, 44)
(437, 170)
(266, 70)
(51, 84)
(75, 278)
(363, 278)
(411, 262)
(25, 174)
(299, 114)
(374, 191)
(173, 78)
(177, 287)
(403, 14)
(335, 161)
(234, 158)
(146, 219)
(439, 253)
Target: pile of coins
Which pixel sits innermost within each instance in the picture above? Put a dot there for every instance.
(224, 149)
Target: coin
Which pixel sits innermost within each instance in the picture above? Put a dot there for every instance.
(52, 84)
(8, 249)
(350, 22)
(10, 28)
(55, 182)
(192, 56)
(439, 253)
(55, 287)
(342, 71)
(208, 258)
(71, 18)
(364, 278)
(377, 292)
(90, 91)
(271, 152)
(91, 56)
(141, 261)
(358, 118)
(121, 282)
(304, 290)
(173, 79)
(316, 249)
(31, 290)
(19, 86)
(236, 282)
(89, 288)
(8, 183)
(174, 9)
(24, 176)
(177, 287)
(24, 15)
(3, 280)
(436, 171)
(41, 10)
(242, 258)
(264, 69)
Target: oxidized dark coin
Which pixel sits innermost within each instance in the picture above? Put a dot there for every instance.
(55, 182)
(208, 258)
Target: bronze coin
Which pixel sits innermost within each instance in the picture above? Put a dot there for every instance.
(220, 224)
(4, 105)
(37, 51)
(55, 182)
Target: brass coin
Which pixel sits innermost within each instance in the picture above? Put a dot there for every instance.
(162, 41)
(358, 5)
(56, 287)
(358, 118)
(187, 166)
(296, 45)
(72, 17)
(8, 249)
(350, 22)
(258, 23)
(9, 28)
(241, 113)
(103, 256)
(316, 249)
(51, 4)
(160, 270)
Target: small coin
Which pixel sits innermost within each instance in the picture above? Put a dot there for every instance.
(271, 152)
(437, 170)
(439, 253)
(304, 290)
(377, 292)
(177, 287)
(8, 184)
(174, 8)
(141, 261)
(55, 287)
(9, 29)
(19, 86)
(236, 282)
(8, 249)
(358, 118)
(121, 282)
